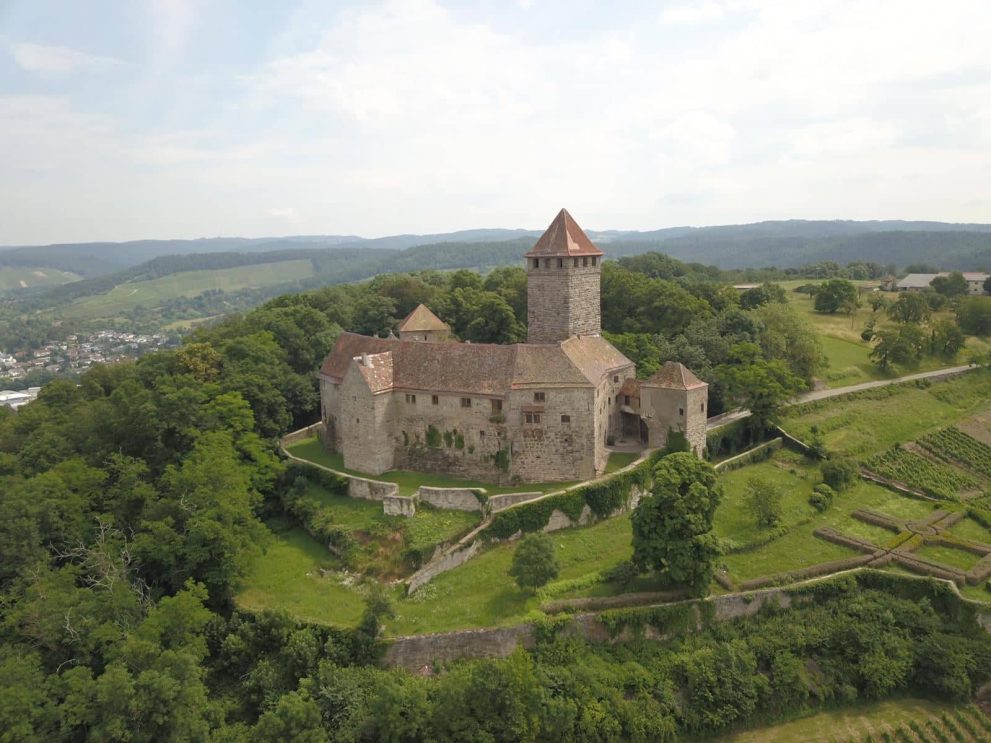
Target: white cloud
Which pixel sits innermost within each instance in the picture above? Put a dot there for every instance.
(44, 59)
(406, 117)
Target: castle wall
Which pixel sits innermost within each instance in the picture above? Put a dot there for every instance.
(562, 302)
(364, 426)
(679, 410)
(330, 413)
(554, 449)
(466, 442)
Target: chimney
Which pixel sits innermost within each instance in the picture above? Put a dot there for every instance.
(364, 360)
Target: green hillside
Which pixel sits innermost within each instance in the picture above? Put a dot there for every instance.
(24, 277)
(131, 294)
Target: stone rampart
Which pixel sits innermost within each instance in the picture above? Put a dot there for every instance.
(656, 622)
(399, 505)
(413, 653)
(501, 502)
(458, 555)
(361, 487)
(302, 434)
(761, 451)
(455, 499)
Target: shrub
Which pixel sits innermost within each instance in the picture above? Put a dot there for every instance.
(839, 473)
(764, 501)
(433, 437)
(822, 497)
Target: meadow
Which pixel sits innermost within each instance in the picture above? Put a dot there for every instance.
(127, 296)
(848, 354)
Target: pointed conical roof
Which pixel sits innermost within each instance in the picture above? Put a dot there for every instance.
(563, 238)
(422, 319)
(674, 376)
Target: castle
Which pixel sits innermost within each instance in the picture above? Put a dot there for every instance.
(541, 411)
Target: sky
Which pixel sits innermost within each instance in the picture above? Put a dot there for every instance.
(132, 119)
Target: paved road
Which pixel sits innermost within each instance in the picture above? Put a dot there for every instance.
(731, 417)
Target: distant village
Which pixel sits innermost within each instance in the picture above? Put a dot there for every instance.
(73, 355)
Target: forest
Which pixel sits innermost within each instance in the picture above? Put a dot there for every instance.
(133, 500)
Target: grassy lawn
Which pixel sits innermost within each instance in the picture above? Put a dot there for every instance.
(288, 576)
(129, 295)
(481, 593)
(847, 352)
(948, 556)
(620, 459)
(432, 525)
(862, 426)
(848, 724)
(969, 529)
(409, 482)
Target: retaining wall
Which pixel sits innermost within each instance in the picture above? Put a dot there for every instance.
(417, 651)
(360, 487)
(501, 502)
(458, 555)
(455, 499)
(398, 505)
(302, 434)
(750, 455)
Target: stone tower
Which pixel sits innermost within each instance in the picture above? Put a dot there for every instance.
(563, 279)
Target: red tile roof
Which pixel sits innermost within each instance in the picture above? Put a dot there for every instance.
(675, 376)
(421, 319)
(477, 368)
(563, 238)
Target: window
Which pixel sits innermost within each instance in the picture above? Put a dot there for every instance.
(560, 262)
(610, 401)
(466, 402)
(536, 263)
(585, 261)
(481, 434)
(496, 406)
(434, 400)
(411, 399)
(626, 399)
(566, 419)
(532, 418)
(594, 259)
(539, 397)
(681, 412)
(615, 378)
(576, 263)
(702, 407)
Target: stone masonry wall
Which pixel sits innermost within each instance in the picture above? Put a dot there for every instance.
(418, 651)
(399, 505)
(456, 499)
(448, 561)
(562, 302)
(359, 487)
(502, 502)
(476, 428)
(554, 449)
(678, 410)
(364, 423)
